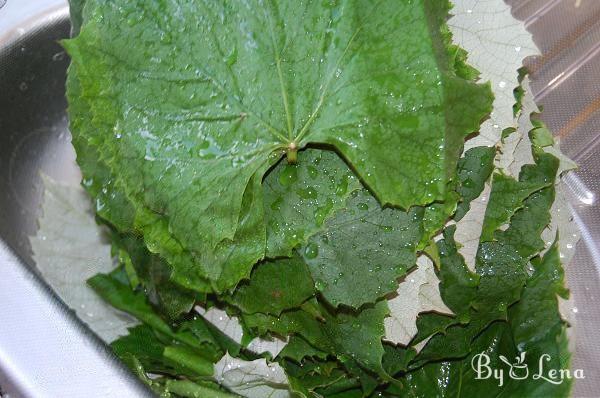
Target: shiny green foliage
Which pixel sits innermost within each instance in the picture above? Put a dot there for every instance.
(236, 100)
(287, 162)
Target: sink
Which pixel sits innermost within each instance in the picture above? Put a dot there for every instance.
(45, 351)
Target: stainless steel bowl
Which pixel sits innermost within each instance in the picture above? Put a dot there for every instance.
(46, 351)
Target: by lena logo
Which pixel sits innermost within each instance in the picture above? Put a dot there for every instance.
(519, 369)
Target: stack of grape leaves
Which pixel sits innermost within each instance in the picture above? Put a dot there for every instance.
(285, 196)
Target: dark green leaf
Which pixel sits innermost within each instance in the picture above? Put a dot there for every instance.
(363, 250)
(508, 195)
(275, 286)
(458, 285)
(300, 197)
(474, 169)
(345, 335)
(298, 349)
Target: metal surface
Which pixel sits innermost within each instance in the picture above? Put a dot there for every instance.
(566, 83)
(45, 351)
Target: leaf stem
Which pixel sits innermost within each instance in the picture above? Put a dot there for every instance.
(292, 153)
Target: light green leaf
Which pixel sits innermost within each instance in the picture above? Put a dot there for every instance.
(496, 43)
(239, 101)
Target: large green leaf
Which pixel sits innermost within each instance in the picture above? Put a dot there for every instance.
(271, 82)
(111, 203)
(299, 199)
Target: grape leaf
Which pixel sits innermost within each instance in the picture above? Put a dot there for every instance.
(534, 328)
(290, 191)
(514, 152)
(144, 345)
(508, 195)
(240, 101)
(458, 284)
(511, 238)
(300, 197)
(231, 328)
(111, 203)
(275, 286)
(456, 378)
(298, 349)
(417, 293)
(156, 354)
(500, 264)
(348, 336)
(312, 375)
(496, 43)
(474, 169)
(154, 275)
(252, 379)
(363, 250)
(69, 248)
(539, 298)
(537, 326)
(118, 294)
